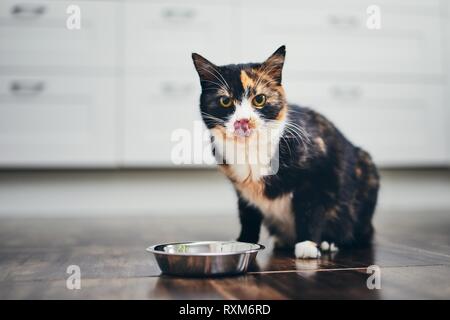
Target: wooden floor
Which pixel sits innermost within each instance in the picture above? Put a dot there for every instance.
(412, 249)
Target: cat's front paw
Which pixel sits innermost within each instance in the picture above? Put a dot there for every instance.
(306, 250)
(325, 246)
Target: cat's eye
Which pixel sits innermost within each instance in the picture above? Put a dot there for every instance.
(259, 101)
(225, 101)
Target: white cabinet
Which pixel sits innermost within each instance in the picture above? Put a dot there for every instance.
(447, 96)
(332, 36)
(161, 85)
(399, 124)
(155, 109)
(58, 89)
(57, 121)
(113, 92)
(383, 88)
(161, 35)
(33, 34)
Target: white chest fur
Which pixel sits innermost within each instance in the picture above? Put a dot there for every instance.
(247, 163)
(249, 159)
(277, 212)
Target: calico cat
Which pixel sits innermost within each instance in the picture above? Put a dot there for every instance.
(323, 191)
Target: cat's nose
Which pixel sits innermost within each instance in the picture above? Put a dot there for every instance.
(242, 127)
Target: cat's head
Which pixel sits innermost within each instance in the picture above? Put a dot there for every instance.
(238, 101)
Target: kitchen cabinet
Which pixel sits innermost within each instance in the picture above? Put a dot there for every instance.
(57, 121)
(112, 93)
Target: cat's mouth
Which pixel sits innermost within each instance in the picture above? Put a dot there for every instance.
(243, 128)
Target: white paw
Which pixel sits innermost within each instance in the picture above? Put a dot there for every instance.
(307, 250)
(325, 246)
(333, 248)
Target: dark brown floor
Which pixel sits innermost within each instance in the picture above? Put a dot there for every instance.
(412, 250)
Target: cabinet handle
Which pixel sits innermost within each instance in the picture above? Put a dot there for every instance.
(174, 89)
(178, 14)
(28, 11)
(343, 21)
(346, 93)
(27, 88)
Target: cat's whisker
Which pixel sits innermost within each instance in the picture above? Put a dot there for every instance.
(298, 133)
(222, 81)
(300, 129)
(275, 125)
(260, 76)
(207, 89)
(264, 72)
(287, 144)
(267, 81)
(213, 119)
(220, 74)
(305, 138)
(220, 86)
(294, 135)
(213, 74)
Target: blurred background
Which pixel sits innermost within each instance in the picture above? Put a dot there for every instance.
(91, 91)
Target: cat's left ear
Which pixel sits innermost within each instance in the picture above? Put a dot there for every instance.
(273, 66)
(206, 69)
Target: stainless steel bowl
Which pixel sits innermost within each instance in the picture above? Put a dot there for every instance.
(205, 258)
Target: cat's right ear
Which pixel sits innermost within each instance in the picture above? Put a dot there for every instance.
(273, 66)
(206, 69)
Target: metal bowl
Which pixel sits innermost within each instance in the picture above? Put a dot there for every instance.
(205, 258)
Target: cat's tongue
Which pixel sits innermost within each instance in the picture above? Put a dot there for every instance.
(242, 128)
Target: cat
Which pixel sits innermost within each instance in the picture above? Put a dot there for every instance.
(322, 192)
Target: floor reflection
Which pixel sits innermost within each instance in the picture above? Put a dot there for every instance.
(277, 260)
(278, 275)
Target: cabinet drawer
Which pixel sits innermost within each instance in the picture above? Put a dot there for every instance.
(155, 108)
(397, 123)
(57, 121)
(165, 33)
(34, 34)
(332, 36)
